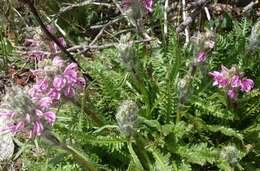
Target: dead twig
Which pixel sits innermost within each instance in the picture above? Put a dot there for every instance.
(184, 15)
(70, 7)
(189, 18)
(250, 6)
(82, 48)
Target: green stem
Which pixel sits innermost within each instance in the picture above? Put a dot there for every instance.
(134, 156)
(80, 158)
(78, 155)
(140, 143)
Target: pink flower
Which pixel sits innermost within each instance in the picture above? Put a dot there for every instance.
(148, 5)
(50, 117)
(34, 93)
(231, 80)
(11, 128)
(37, 128)
(71, 67)
(201, 56)
(246, 85)
(69, 91)
(235, 81)
(59, 82)
(42, 85)
(45, 102)
(81, 82)
(38, 113)
(14, 128)
(70, 73)
(54, 94)
(7, 115)
(232, 94)
(219, 79)
(57, 61)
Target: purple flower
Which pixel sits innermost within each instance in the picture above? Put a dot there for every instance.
(148, 5)
(201, 56)
(232, 94)
(235, 81)
(7, 115)
(219, 79)
(14, 128)
(50, 117)
(69, 91)
(54, 94)
(81, 82)
(57, 61)
(37, 128)
(246, 85)
(71, 67)
(42, 85)
(45, 102)
(59, 82)
(231, 79)
(70, 73)
(38, 113)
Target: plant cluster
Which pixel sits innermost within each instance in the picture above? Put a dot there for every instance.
(149, 106)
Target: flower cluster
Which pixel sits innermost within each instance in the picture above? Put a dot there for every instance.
(146, 4)
(30, 111)
(23, 115)
(37, 49)
(55, 80)
(231, 80)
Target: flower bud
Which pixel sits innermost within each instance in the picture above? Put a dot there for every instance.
(126, 117)
(254, 39)
(230, 154)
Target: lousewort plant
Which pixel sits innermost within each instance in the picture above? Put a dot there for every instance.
(31, 111)
(231, 80)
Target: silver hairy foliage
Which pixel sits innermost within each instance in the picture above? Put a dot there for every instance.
(126, 117)
(254, 38)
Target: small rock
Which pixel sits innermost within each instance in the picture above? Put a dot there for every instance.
(6, 144)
